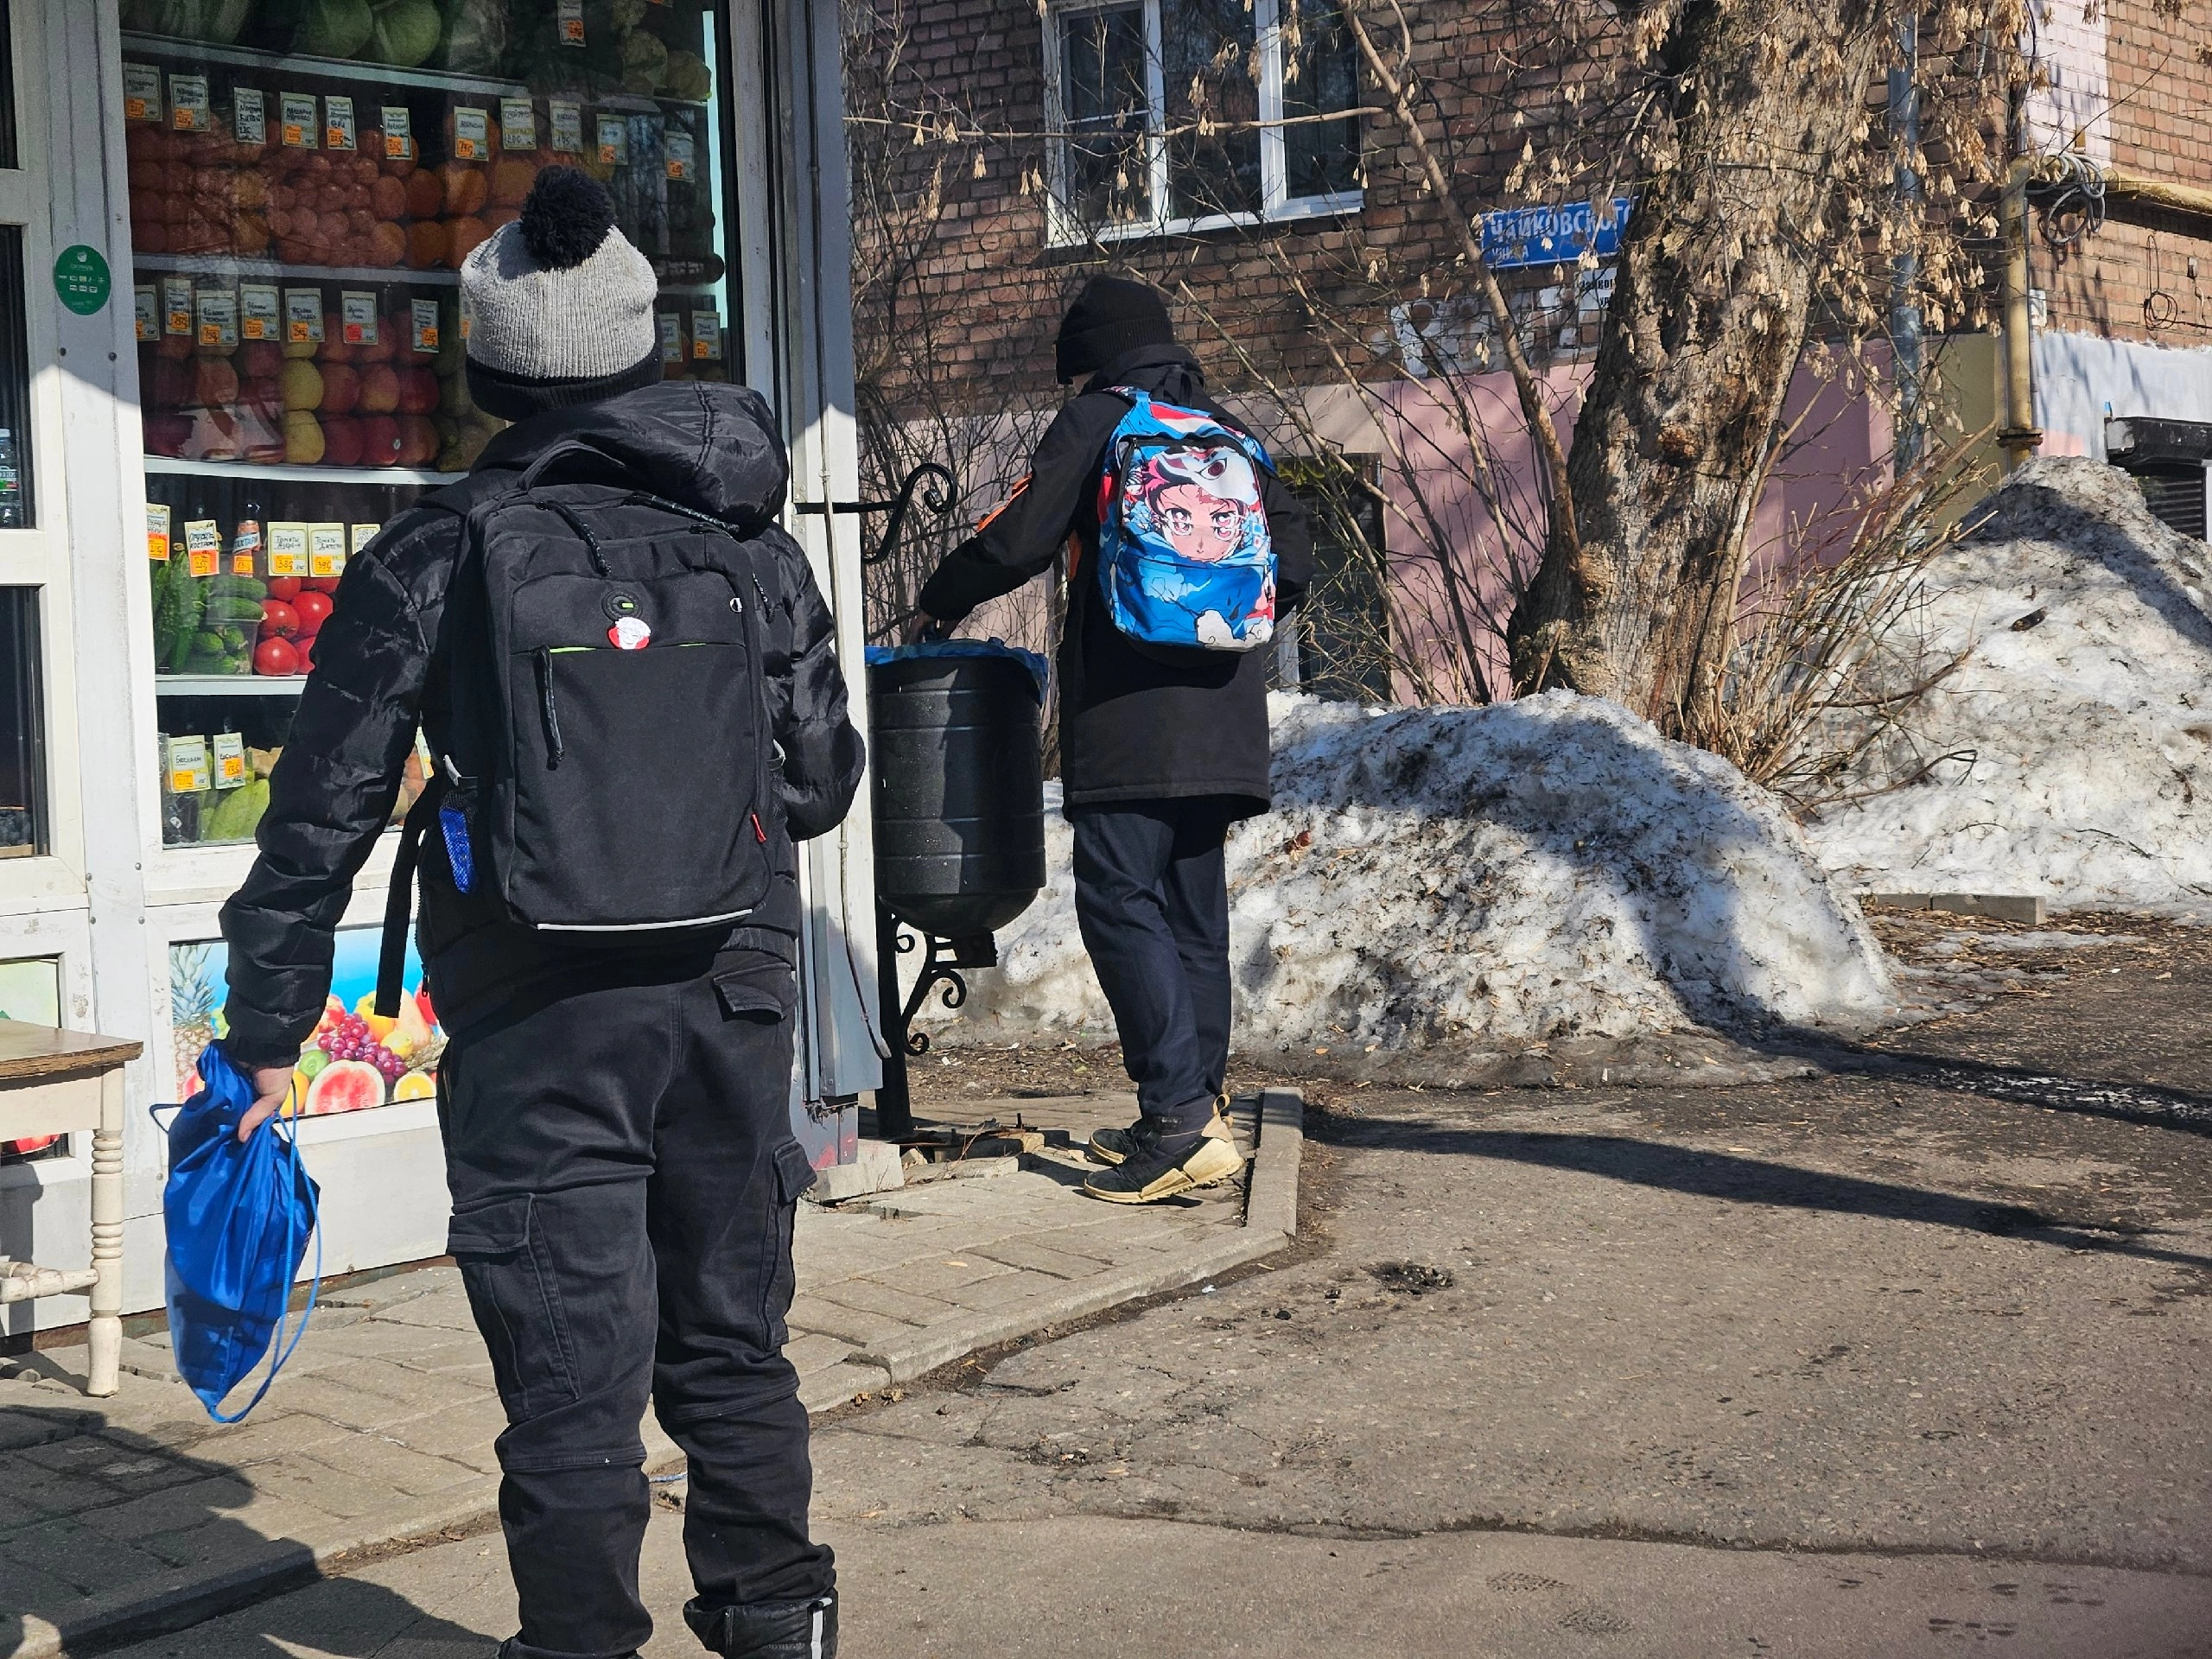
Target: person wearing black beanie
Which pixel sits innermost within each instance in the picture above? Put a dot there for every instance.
(1160, 750)
(1112, 316)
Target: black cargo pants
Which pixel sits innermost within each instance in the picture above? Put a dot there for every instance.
(624, 1180)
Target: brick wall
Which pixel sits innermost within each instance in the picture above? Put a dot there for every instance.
(993, 290)
(2134, 279)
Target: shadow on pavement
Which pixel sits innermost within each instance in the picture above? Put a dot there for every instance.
(1756, 1180)
(97, 1522)
(2126, 1102)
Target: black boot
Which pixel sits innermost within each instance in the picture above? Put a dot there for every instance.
(768, 1630)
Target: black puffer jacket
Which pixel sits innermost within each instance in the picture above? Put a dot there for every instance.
(380, 669)
(1133, 727)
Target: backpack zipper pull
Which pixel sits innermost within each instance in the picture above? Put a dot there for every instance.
(758, 834)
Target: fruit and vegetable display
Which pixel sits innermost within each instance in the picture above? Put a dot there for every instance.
(306, 179)
(647, 48)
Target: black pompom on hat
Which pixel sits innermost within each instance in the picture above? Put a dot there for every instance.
(566, 216)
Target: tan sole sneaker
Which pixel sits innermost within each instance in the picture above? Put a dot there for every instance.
(1210, 1163)
(1110, 1146)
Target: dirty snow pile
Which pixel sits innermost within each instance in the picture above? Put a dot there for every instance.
(2080, 714)
(1438, 886)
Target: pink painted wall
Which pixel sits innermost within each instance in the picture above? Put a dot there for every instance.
(1459, 469)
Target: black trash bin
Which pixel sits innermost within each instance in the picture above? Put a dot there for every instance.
(956, 747)
(959, 788)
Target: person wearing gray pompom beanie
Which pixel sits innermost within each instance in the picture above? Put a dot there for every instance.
(561, 305)
(615, 1102)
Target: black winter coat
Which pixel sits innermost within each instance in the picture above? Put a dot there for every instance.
(380, 668)
(1133, 727)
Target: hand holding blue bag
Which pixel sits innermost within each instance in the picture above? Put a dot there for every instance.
(238, 1216)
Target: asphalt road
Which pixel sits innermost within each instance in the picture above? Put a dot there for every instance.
(1901, 1360)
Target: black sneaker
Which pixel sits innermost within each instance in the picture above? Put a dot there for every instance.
(768, 1630)
(1178, 1164)
(1112, 1145)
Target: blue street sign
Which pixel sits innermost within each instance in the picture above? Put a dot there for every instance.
(1515, 237)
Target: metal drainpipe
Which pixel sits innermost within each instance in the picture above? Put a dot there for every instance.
(1905, 316)
(2020, 435)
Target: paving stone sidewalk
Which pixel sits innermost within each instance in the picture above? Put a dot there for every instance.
(116, 1514)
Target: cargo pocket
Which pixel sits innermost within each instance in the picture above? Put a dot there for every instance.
(793, 1175)
(762, 995)
(507, 1269)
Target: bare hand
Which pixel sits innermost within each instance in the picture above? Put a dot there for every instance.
(272, 1085)
(919, 626)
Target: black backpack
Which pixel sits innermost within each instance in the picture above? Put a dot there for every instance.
(610, 750)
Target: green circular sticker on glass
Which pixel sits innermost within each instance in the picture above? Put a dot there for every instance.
(80, 277)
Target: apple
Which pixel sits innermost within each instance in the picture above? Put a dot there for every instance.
(418, 391)
(380, 441)
(379, 389)
(260, 359)
(419, 442)
(341, 440)
(341, 389)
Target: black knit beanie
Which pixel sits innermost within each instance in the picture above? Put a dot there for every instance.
(1110, 316)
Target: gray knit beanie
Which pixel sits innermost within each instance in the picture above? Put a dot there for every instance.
(561, 306)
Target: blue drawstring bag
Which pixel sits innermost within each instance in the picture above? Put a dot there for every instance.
(238, 1216)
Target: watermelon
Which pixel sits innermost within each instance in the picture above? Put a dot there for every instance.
(345, 1086)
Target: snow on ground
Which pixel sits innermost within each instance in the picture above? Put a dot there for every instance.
(2084, 703)
(1438, 886)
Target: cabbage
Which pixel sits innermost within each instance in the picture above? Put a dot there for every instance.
(689, 78)
(645, 62)
(406, 32)
(334, 28)
(475, 36)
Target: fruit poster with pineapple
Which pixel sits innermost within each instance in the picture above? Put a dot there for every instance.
(356, 1059)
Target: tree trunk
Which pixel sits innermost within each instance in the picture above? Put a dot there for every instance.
(1677, 430)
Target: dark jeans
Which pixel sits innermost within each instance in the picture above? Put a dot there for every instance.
(624, 1180)
(1153, 902)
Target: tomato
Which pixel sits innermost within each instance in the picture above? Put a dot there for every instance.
(284, 587)
(275, 655)
(311, 607)
(278, 620)
(318, 584)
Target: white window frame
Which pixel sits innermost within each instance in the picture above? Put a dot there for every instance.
(1065, 229)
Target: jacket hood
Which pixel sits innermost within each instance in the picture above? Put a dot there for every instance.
(1166, 372)
(701, 444)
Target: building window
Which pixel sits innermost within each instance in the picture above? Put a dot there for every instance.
(1174, 115)
(1338, 644)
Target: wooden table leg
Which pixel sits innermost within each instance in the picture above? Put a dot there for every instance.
(105, 1334)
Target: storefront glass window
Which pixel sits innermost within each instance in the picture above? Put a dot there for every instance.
(22, 733)
(304, 183)
(15, 387)
(7, 87)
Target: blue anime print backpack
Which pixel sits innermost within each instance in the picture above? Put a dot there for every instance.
(1185, 557)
